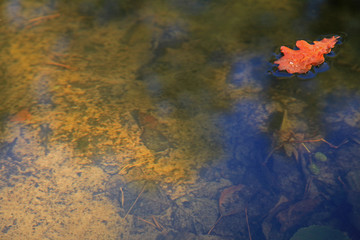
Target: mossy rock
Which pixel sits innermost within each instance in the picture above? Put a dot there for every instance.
(319, 233)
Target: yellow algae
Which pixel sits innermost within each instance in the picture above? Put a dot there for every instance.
(88, 107)
(47, 196)
(56, 202)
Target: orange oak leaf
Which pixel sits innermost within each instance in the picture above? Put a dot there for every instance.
(308, 55)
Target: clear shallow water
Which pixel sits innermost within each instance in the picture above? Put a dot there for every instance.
(135, 120)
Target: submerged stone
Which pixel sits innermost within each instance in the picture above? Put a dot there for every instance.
(154, 140)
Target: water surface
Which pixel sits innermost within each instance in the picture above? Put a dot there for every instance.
(162, 120)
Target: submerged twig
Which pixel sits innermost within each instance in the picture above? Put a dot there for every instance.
(247, 223)
(36, 21)
(341, 181)
(122, 197)
(213, 226)
(321, 140)
(61, 65)
(137, 198)
(159, 226)
(271, 153)
(155, 223)
(42, 18)
(152, 224)
(308, 185)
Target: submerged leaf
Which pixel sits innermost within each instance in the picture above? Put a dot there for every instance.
(285, 126)
(229, 200)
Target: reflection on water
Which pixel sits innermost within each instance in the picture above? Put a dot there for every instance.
(139, 120)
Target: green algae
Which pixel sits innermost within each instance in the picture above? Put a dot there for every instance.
(320, 157)
(314, 169)
(319, 233)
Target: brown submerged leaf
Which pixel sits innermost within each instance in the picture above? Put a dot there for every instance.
(21, 116)
(228, 204)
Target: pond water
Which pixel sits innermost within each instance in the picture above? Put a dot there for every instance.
(163, 120)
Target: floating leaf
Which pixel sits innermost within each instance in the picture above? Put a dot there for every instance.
(307, 55)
